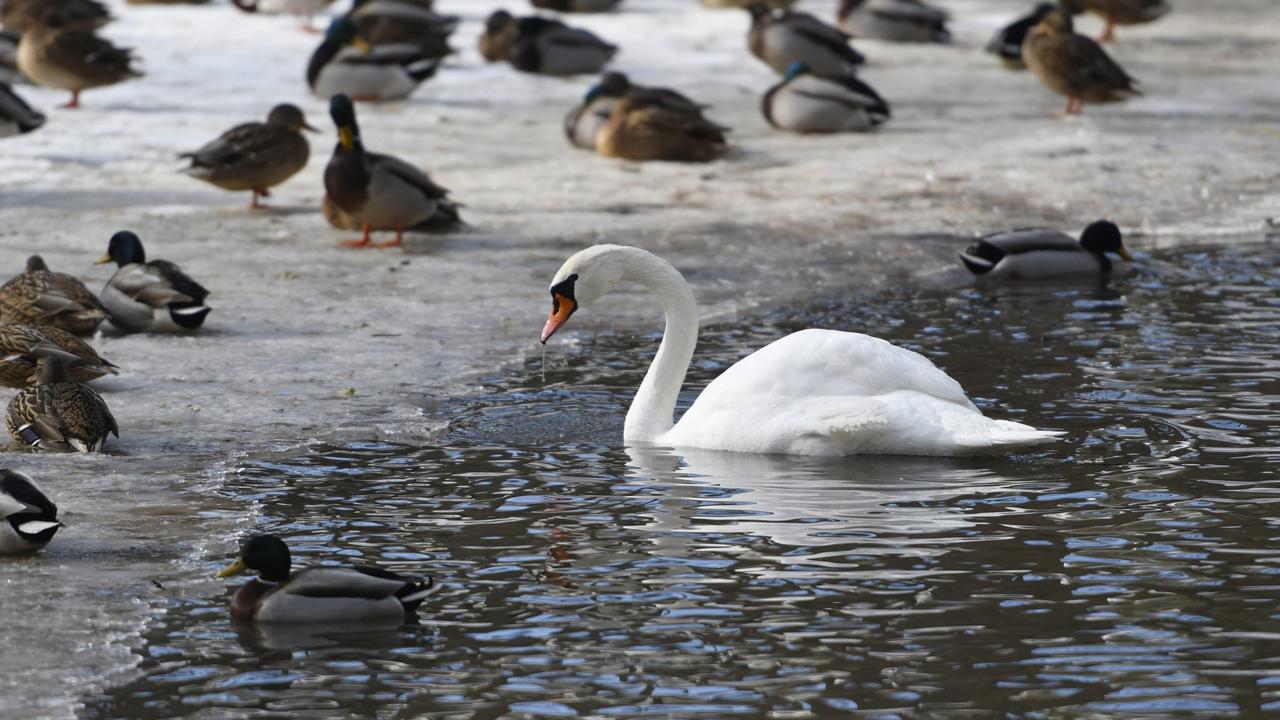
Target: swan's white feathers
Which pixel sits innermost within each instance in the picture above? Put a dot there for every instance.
(826, 392)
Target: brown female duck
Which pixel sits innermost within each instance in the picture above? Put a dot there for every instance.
(58, 415)
(1073, 65)
(40, 296)
(645, 125)
(56, 53)
(22, 346)
(1119, 12)
(255, 156)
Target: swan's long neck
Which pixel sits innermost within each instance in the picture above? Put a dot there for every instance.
(654, 406)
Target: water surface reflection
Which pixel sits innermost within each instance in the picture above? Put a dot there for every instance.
(1130, 570)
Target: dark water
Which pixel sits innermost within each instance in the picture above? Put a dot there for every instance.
(1132, 570)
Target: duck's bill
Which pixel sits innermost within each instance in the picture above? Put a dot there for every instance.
(1124, 254)
(561, 308)
(234, 568)
(102, 260)
(346, 138)
(310, 128)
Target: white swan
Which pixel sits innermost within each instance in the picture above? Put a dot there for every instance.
(814, 392)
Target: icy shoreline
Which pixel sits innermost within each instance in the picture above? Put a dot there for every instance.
(971, 147)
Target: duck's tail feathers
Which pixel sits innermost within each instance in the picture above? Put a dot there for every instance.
(188, 315)
(413, 593)
(422, 70)
(975, 264)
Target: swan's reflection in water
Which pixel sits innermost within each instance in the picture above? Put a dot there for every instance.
(841, 509)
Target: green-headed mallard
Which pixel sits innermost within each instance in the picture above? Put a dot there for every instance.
(586, 118)
(581, 6)
(1006, 44)
(20, 15)
(58, 415)
(805, 102)
(645, 126)
(255, 156)
(782, 38)
(16, 116)
(543, 46)
(139, 288)
(380, 192)
(22, 346)
(40, 296)
(345, 64)
(396, 22)
(319, 594)
(1119, 12)
(1034, 253)
(28, 519)
(1073, 65)
(69, 57)
(909, 21)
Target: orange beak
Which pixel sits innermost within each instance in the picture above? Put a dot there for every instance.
(561, 308)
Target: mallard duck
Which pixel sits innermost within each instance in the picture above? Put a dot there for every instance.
(1073, 65)
(1007, 42)
(380, 192)
(255, 156)
(69, 57)
(809, 103)
(139, 288)
(895, 20)
(396, 22)
(581, 6)
(786, 37)
(20, 15)
(28, 519)
(16, 116)
(21, 347)
(646, 126)
(586, 118)
(346, 64)
(42, 297)
(1034, 253)
(544, 46)
(1119, 12)
(319, 594)
(58, 415)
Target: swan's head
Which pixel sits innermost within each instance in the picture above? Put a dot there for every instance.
(583, 279)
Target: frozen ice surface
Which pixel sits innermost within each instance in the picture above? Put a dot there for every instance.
(971, 147)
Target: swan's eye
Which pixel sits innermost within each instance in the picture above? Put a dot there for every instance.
(564, 288)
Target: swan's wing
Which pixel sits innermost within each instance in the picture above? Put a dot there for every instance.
(824, 392)
(813, 364)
